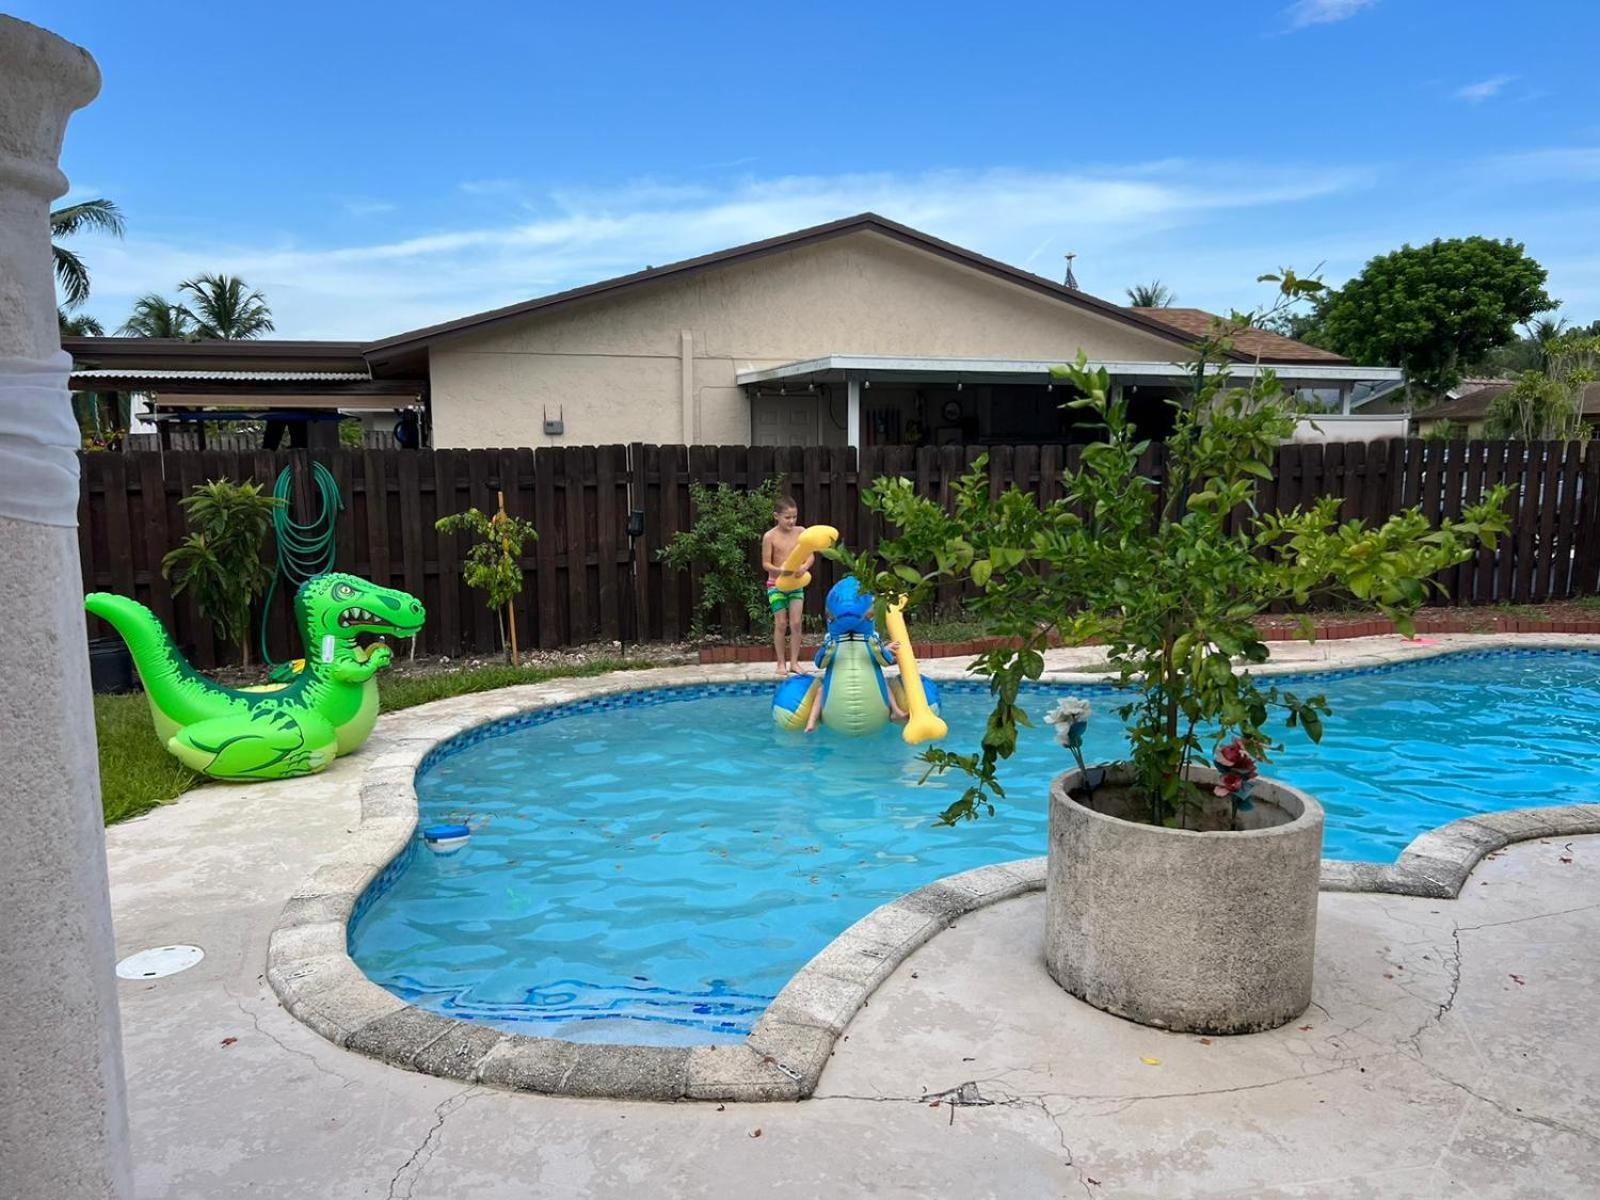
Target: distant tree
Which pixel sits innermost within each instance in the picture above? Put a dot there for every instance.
(1435, 310)
(79, 325)
(1154, 294)
(1445, 431)
(224, 307)
(1304, 327)
(154, 316)
(1547, 404)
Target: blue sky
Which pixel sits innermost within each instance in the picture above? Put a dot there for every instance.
(376, 167)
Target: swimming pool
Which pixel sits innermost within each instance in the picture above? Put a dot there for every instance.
(655, 866)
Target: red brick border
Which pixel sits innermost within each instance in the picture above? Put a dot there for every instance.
(1326, 631)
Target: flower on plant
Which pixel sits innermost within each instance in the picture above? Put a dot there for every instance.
(1070, 716)
(1237, 766)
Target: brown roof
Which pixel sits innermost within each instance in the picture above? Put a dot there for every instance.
(1474, 406)
(241, 354)
(1249, 343)
(400, 343)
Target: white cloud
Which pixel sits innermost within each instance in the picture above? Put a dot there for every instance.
(1323, 12)
(1476, 93)
(358, 206)
(575, 237)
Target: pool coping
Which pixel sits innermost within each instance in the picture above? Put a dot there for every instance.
(310, 970)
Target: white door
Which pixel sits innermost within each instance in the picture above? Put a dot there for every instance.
(784, 420)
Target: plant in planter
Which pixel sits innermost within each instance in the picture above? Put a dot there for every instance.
(1181, 895)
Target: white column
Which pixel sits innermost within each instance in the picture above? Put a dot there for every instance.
(852, 418)
(63, 1119)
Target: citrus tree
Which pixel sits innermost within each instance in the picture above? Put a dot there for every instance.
(494, 563)
(1166, 568)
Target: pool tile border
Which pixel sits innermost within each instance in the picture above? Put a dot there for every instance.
(310, 970)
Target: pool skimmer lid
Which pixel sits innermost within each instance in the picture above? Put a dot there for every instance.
(159, 961)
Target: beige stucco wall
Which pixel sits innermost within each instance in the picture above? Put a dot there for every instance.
(613, 367)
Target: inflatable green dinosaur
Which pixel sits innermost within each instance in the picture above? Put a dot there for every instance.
(276, 731)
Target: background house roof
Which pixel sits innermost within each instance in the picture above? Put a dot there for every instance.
(1474, 406)
(1250, 343)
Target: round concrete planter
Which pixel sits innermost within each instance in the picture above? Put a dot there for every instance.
(1198, 932)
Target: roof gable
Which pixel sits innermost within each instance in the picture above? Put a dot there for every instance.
(415, 339)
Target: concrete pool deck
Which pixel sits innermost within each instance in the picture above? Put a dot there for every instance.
(1449, 1051)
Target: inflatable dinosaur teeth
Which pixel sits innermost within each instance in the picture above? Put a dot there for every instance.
(298, 728)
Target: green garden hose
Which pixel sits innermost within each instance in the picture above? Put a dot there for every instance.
(303, 550)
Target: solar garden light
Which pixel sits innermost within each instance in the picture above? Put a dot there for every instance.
(635, 531)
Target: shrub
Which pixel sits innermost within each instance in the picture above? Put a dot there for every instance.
(220, 560)
(720, 546)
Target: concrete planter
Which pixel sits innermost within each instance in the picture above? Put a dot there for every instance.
(1198, 932)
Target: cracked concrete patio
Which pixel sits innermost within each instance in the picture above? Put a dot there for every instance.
(1449, 1052)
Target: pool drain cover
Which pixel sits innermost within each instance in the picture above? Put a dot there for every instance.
(159, 961)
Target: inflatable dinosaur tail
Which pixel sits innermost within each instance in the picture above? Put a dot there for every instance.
(162, 669)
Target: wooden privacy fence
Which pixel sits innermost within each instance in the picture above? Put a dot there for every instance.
(585, 583)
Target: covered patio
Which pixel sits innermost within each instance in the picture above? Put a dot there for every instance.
(862, 400)
(295, 392)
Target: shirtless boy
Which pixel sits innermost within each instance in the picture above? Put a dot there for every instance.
(776, 545)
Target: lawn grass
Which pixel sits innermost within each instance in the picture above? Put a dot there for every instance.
(137, 774)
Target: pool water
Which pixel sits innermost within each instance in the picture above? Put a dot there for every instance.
(656, 871)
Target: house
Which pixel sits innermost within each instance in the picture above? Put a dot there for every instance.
(1469, 411)
(862, 331)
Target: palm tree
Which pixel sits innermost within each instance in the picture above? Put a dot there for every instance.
(80, 325)
(1154, 294)
(154, 316)
(71, 274)
(224, 308)
(1545, 334)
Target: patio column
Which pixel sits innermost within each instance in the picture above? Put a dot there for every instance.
(852, 419)
(63, 1120)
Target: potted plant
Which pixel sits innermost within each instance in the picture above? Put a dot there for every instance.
(1182, 884)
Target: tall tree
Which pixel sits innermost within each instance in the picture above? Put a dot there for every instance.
(224, 306)
(1435, 310)
(154, 316)
(1154, 294)
(71, 274)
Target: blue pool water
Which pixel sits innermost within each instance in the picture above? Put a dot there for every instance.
(655, 870)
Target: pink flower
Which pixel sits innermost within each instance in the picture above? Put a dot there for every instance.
(1234, 757)
(1228, 784)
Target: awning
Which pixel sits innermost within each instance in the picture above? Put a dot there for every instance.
(837, 368)
(256, 391)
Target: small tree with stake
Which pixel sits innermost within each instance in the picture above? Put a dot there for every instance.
(494, 564)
